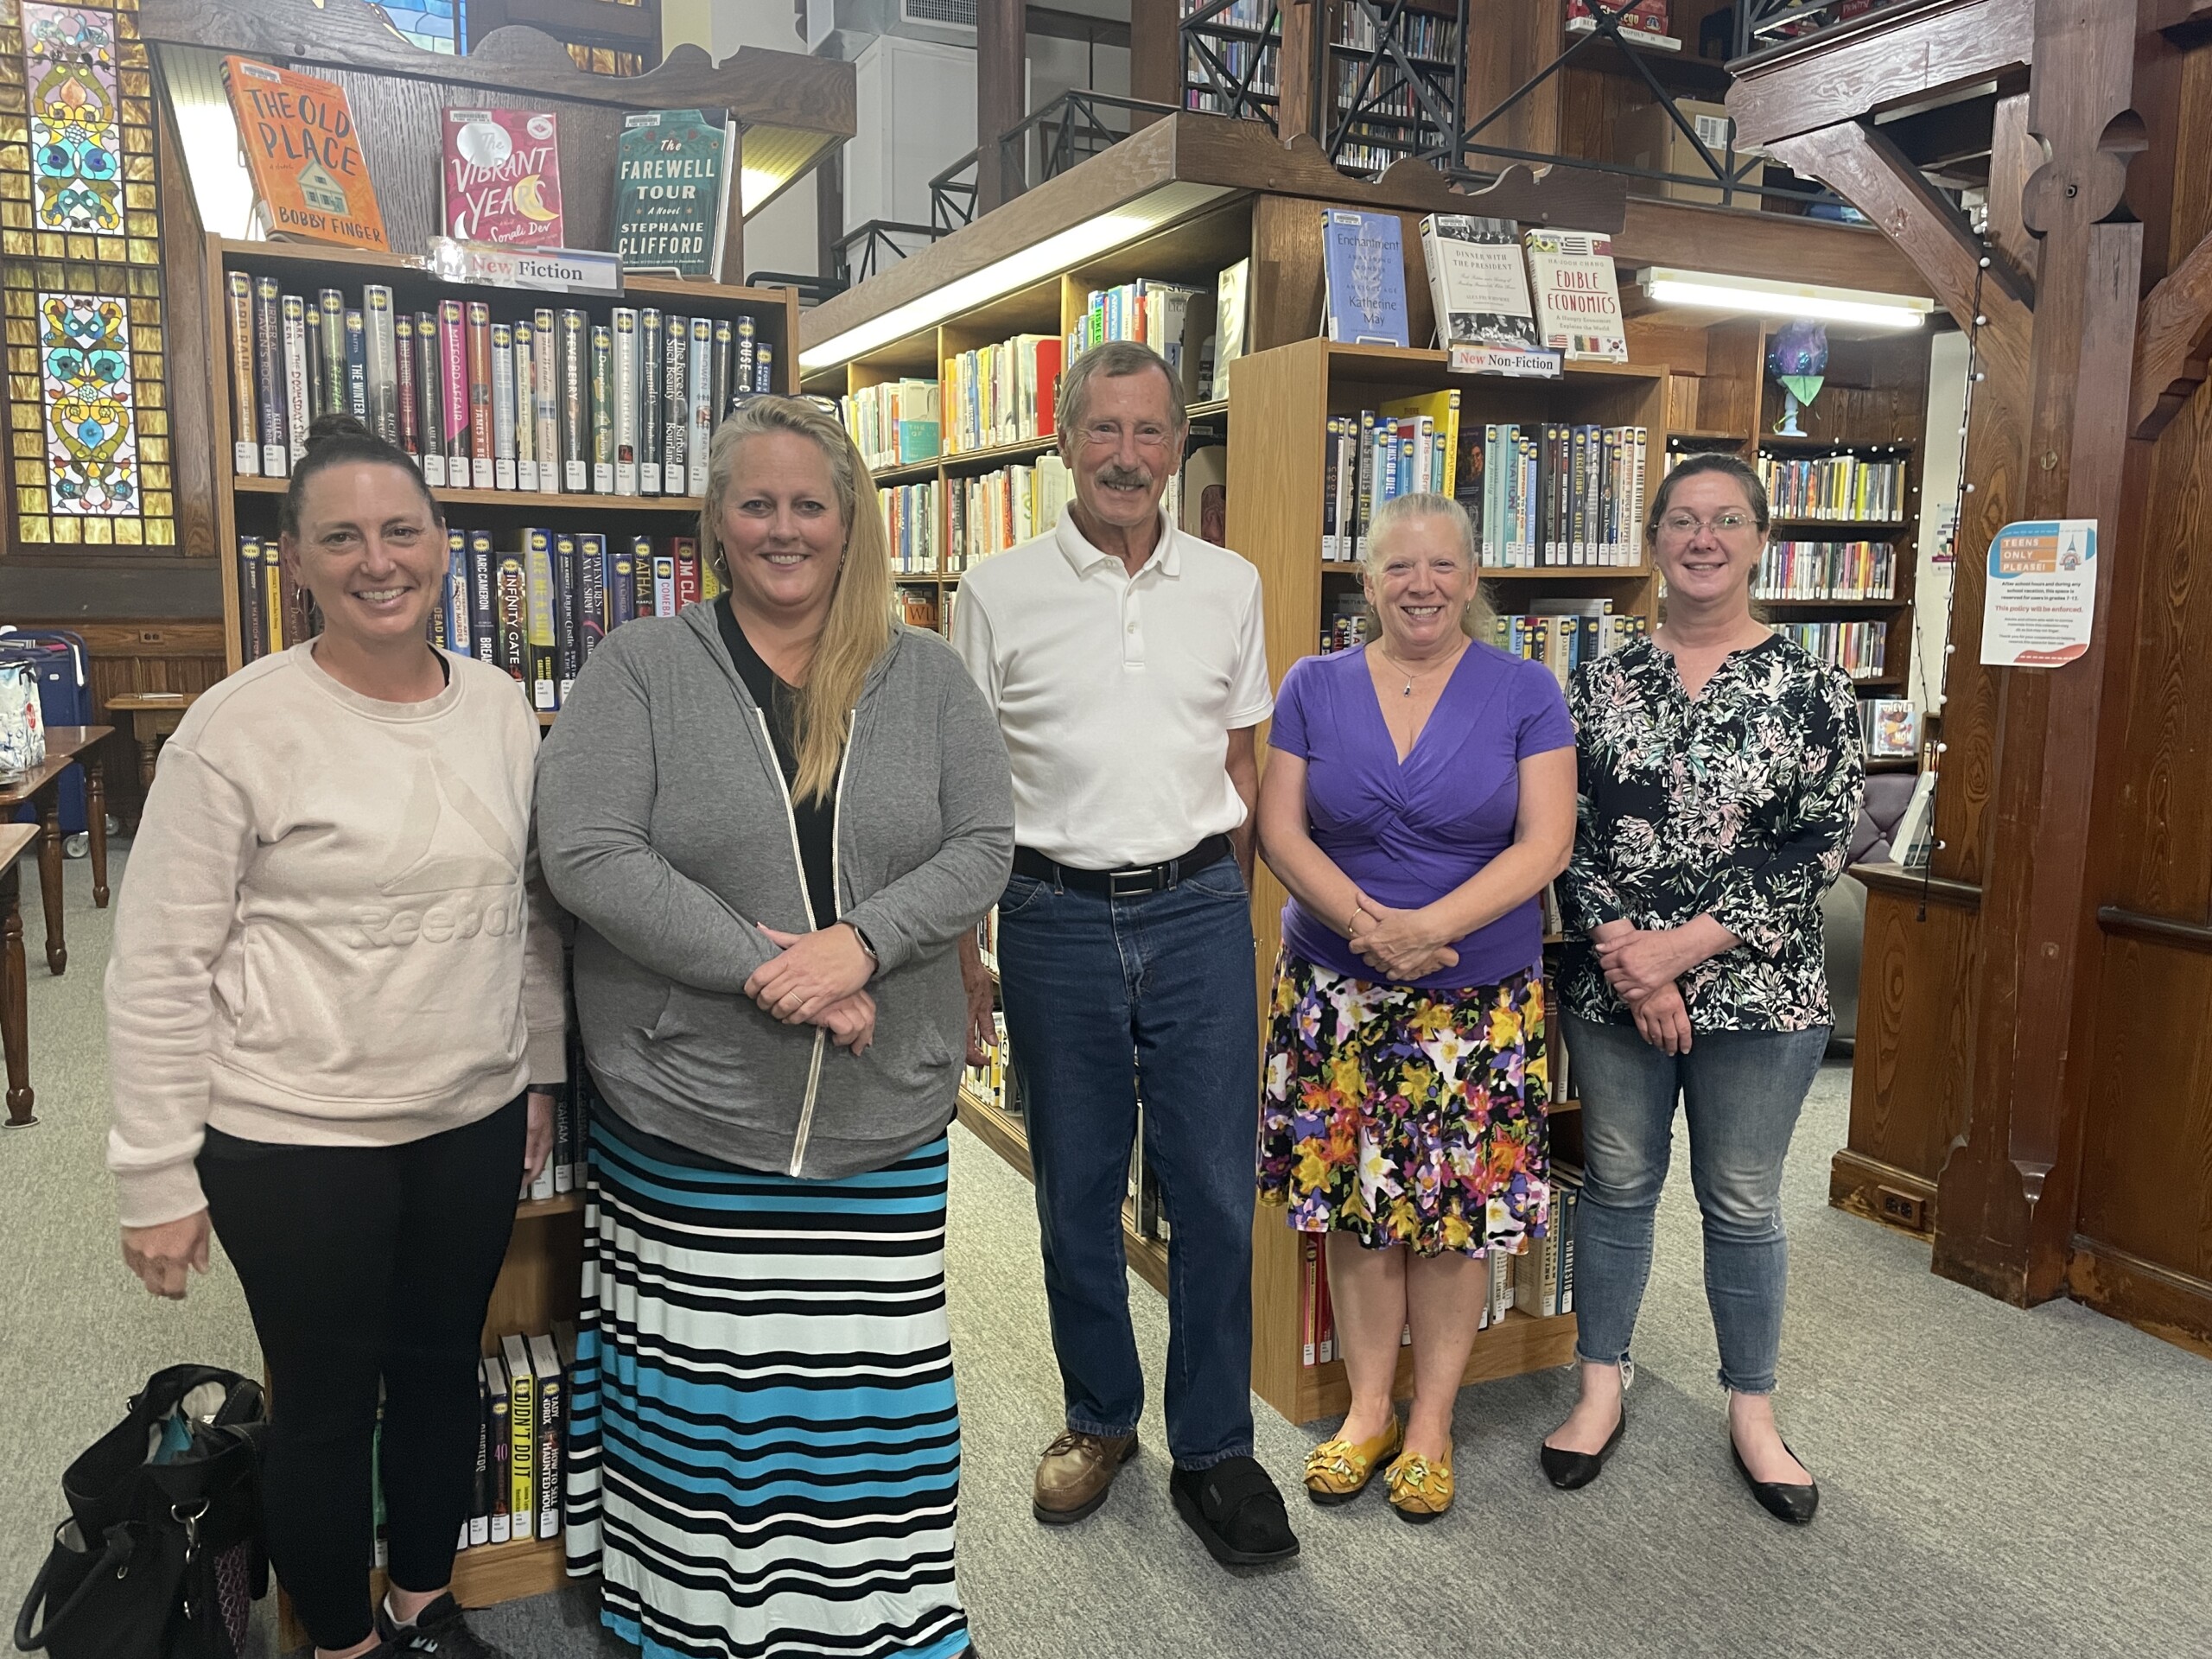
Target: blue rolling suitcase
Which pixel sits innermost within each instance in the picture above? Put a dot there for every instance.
(65, 698)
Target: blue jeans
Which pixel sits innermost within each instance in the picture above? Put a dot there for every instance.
(1742, 1091)
(1106, 999)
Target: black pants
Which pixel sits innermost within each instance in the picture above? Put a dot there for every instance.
(367, 1264)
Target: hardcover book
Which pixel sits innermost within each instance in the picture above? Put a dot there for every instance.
(299, 408)
(1578, 298)
(1363, 263)
(246, 444)
(310, 180)
(503, 407)
(1480, 290)
(329, 317)
(671, 190)
(430, 397)
(269, 360)
(650, 367)
(381, 343)
(602, 409)
(547, 380)
(502, 176)
(482, 471)
(525, 411)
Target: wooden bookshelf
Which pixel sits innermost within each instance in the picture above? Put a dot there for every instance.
(247, 505)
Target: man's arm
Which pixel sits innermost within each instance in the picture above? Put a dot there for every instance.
(1245, 777)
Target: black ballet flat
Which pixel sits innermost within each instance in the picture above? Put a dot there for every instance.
(1572, 1471)
(1794, 1504)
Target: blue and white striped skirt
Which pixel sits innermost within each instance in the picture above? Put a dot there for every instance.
(763, 1452)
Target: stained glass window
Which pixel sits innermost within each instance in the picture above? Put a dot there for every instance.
(80, 278)
(434, 25)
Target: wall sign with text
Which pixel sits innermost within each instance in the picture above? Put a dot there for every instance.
(2041, 595)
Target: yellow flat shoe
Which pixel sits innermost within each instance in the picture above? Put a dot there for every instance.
(1336, 1471)
(1420, 1489)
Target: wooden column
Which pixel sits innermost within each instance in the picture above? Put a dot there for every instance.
(1001, 65)
(1155, 56)
(2005, 1201)
(1297, 109)
(1514, 38)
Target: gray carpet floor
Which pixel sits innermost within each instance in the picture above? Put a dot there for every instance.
(1994, 1482)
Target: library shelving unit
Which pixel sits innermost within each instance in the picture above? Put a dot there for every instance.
(1231, 57)
(247, 505)
(539, 1282)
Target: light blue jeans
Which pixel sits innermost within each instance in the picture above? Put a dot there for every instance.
(1742, 1091)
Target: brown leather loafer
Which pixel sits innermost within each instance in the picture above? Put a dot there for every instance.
(1076, 1473)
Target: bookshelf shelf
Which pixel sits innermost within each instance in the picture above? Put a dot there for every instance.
(561, 1203)
(1831, 446)
(1846, 523)
(523, 501)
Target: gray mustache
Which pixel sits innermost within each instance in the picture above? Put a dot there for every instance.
(1131, 477)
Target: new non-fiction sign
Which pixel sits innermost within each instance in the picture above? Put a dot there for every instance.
(2041, 595)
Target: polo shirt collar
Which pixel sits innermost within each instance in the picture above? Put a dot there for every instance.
(1166, 556)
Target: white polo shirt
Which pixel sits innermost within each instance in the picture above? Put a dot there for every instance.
(1117, 694)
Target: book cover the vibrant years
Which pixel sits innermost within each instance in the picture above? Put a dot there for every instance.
(502, 175)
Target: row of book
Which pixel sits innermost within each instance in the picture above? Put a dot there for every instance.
(535, 609)
(1556, 493)
(915, 526)
(896, 423)
(1826, 570)
(1539, 1282)
(1005, 393)
(521, 1441)
(1419, 34)
(1845, 489)
(1562, 639)
(551, 402)
(1397, 102)
(1175, 320)
(1255, 65)
(1857, 648)
(1371, 457)
(1006, 508)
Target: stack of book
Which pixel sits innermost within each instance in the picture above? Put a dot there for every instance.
(547, 401)
(1857, 648)
(1005, 393)
(1563, 642)
(1826, 570)
(1845, 489)
(1556, 493)
(894, 424)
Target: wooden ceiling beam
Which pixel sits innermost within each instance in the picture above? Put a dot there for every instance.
(2173, 341)
(1921, 53)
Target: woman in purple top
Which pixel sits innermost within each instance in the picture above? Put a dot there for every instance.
(1420, 795)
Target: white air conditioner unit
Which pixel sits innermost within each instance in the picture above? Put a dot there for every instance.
(940, 13)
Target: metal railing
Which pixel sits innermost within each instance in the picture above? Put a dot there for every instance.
(1250, 94)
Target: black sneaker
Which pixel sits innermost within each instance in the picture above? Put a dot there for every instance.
(438, 1629)
(1236, 1512)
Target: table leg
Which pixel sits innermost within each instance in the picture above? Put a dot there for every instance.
(150, 751)
(48, 801)
(96, 826)
(14, 1025)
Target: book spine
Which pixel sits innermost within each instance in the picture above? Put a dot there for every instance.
(271, 361)
(746, 336)
(622, 371)
(591, 594)
(541, 644)
(408, 411)
(252, 642)
(525, 411)
(318, 398)
(483, 469)
(522, 1425)
(723, 336)
(483, 611)
(663, 584)
(676, 407)
(764, 368)
(503, 407)
(330, 307)
(357, 365)
(701, 388)
(602, 409)
(641, 572)
(550, 1408)
(299, 407)
(501, 1445)
(621, 586)
(381, 346)
(453, 354)
(564, 1132)
(576, 403)
(652, 366)
(459, 616)
(510, 581)
(548, 412)
(568, 627)
(687, 571)
(429, 399)
(245, 401)
(477, 1527)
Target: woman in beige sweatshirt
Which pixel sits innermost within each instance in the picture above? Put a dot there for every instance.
(334, 1005)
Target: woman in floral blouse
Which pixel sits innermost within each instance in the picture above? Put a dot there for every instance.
(1720, 778)
(1419, 795)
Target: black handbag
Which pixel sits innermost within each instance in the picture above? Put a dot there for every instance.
(162, 1554)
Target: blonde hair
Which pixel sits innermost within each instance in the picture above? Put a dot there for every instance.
(1477, 621)
(858, 628)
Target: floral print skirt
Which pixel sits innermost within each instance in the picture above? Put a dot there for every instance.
(1406, 1116)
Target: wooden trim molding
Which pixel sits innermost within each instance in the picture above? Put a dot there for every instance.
(2158, 929)
(1875, 1191)
(2176, 1307)
(2173, 343)
(1912, 886)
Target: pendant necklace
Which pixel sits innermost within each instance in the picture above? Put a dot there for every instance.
(1410, 676)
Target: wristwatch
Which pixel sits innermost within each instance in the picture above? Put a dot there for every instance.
(867, 944)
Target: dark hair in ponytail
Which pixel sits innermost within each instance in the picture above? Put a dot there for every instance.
(335, 441)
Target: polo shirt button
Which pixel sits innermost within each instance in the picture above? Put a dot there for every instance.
(1133, 627)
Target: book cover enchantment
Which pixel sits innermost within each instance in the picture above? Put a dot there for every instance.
(672, 191)
(311, 181)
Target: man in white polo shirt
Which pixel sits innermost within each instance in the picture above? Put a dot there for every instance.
(1127, 668)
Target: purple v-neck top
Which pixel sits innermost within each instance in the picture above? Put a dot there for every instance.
(1409, 832)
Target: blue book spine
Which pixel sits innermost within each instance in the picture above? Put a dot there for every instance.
(621, 586)
(482, 639)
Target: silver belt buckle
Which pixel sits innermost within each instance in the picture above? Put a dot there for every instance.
(1143, 881)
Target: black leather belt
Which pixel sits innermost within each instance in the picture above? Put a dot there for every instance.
(1133, 882)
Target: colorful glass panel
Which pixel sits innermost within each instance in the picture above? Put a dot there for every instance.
(92, 449)
(434, 25)
(75, 128)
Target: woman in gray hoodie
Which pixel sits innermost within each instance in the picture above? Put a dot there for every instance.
(772, 816)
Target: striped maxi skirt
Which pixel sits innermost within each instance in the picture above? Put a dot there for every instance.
(764, 1452)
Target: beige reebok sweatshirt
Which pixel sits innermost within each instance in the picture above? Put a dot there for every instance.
(324, 936)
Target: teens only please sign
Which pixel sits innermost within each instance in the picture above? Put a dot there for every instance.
(311, 181)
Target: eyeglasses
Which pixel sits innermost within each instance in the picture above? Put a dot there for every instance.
(1101, 435)
(1681, 525)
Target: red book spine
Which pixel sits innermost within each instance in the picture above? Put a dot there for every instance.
(479, 395)
(453, 352)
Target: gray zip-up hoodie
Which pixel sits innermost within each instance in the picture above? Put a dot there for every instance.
(664, 827)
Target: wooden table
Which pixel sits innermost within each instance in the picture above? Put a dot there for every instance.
(15, 1028)
(65, 747)
(154, 716)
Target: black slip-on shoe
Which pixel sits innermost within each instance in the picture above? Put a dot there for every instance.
(1572, 1471)
(1794, 1504)
(1236, 1512)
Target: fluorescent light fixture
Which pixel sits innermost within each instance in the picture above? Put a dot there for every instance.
(1055, 253)
(1771, 299)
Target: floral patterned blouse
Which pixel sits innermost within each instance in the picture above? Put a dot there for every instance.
(1740, 803)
